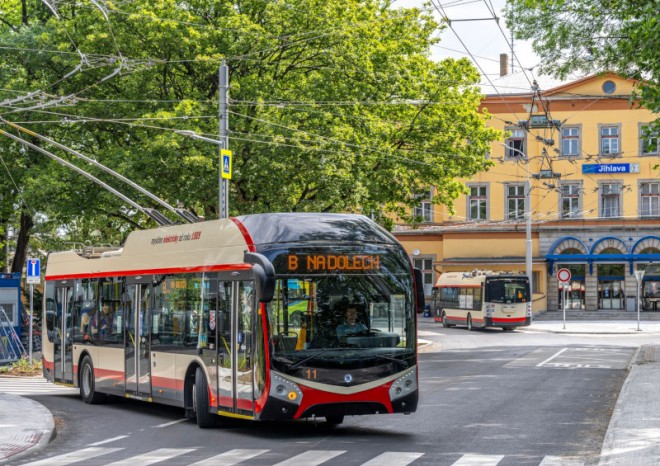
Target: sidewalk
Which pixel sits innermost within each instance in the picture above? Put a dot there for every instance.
(26, 426)
(595, 327)
(633, 436)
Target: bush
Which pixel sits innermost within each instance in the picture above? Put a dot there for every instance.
(23, 367)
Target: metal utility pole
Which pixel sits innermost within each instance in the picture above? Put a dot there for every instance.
(223, 83)
(528, 237)
(528, 227)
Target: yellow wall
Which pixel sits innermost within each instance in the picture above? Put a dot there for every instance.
(583, 104)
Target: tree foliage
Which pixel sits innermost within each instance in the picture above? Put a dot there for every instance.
(590, 36)
(335, 105)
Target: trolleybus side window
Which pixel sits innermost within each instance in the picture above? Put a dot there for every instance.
(180, 317)
(84, 310)
(110, 319)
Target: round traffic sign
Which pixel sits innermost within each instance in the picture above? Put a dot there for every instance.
(563, 275)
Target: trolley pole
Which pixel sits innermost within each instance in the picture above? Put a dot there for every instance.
(223, 83)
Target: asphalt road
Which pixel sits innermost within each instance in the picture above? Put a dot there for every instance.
(487, 398)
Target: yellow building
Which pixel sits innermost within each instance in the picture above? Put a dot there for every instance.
(594, 198)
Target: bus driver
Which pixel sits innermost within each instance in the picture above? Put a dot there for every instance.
(351, 326)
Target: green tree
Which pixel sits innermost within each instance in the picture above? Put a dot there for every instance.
(589, 36)
(335, 106)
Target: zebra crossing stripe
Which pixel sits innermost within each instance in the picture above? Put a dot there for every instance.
(74, 456)
(394, 458)
(311, 458)
(110, 440)
(559, 461)
(32, 386)
(230, 458)
(472, 459)
(152, 457)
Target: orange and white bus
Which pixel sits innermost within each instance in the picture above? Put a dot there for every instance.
(236, 318)
(480, 299)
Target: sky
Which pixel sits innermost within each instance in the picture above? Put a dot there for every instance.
(483, 38)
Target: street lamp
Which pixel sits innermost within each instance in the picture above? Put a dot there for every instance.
(223, 202)
(528, 227)
(639, 275)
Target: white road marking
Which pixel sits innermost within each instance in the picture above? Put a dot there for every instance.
(311, 458)
(551, 357)
(74, 456)
(229, 458)
(394, 458)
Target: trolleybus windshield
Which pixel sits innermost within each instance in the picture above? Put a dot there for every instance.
(507, 289)
(342, 316)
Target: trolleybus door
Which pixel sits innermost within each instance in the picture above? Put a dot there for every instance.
(138, 363)
(235, 346)
(63, 340)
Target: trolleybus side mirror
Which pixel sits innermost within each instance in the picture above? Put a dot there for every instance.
(419, 289)
(264, 275)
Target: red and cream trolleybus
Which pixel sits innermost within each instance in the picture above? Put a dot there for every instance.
(240, 317)
(480, 299)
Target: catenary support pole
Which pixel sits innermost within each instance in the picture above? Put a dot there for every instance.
(223, 83)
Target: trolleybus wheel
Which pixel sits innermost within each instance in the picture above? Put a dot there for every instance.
(335, 420)
(444, 320)
(86, 380)
(201, 401)
(469, 323)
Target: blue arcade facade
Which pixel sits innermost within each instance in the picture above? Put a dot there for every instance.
(602, 266)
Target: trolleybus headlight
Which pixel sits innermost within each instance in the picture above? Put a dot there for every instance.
(404, 385)
(285, 390)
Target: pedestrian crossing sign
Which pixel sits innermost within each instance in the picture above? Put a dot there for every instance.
(225, 156)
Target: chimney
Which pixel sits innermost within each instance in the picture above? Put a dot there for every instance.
(504, 64)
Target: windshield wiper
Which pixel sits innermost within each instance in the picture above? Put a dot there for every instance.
(404, 364)
(313, 356)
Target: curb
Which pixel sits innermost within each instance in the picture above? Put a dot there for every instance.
(28, 440)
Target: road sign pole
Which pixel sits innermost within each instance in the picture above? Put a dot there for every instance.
(639, 294)
(33, 277)
(639, 276)
(31, 318)
(563, 289)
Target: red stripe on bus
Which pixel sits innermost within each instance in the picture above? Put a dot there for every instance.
(171, 270)
(106, 375)
(246, 234)
(505, 320)
(167, 382)
(461, 318)
(48, 364)
(260, 402)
